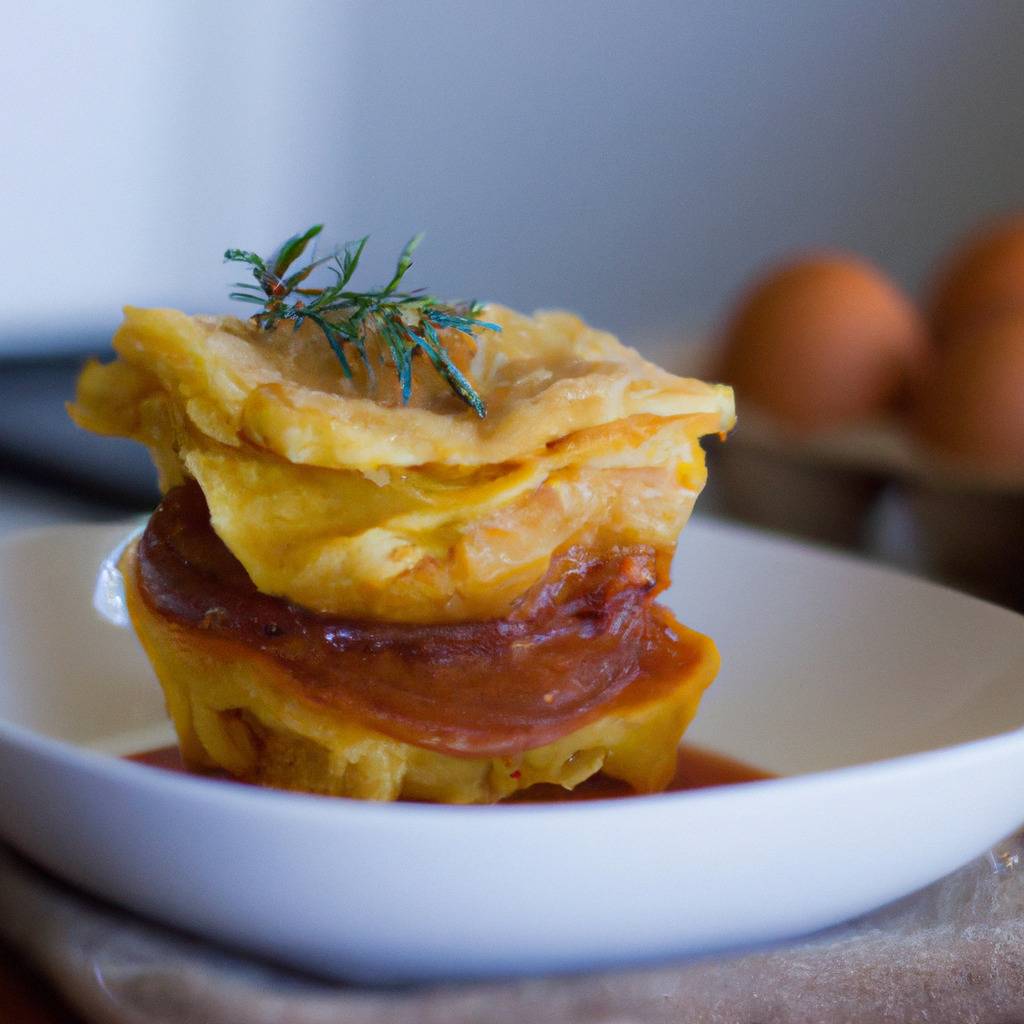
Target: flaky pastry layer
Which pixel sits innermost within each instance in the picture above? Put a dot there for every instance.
(344, 502)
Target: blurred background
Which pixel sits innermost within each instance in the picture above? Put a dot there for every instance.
(639, 163)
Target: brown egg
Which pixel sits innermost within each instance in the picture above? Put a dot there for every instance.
(984, 274)
(822, 342)
(969, 407)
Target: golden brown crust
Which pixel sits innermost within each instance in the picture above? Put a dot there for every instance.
(351, 505)
(542, 378)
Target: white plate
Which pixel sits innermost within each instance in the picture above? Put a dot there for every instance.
(895, 704)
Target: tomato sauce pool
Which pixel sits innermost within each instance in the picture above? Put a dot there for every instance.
(696, 768)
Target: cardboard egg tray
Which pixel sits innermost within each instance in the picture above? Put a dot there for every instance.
(871, 489)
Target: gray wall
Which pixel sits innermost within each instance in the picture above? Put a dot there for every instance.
(634, 161)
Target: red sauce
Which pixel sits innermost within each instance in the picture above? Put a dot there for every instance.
(696, 768)
(571, 647)
(168, 758)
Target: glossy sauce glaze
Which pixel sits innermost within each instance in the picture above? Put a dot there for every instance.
(587, 636)
(696, 768)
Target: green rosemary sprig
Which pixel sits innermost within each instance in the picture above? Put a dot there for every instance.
(404, 322)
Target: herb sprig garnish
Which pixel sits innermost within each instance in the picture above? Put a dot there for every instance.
(404, 322)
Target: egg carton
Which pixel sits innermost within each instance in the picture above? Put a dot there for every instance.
(868, 488)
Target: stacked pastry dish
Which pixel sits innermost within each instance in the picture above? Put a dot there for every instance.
(349, 594)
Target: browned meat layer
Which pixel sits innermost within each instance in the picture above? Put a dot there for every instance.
(586, 636)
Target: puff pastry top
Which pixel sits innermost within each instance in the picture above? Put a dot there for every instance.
(334, 495)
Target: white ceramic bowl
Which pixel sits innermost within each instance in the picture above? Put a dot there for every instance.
(893, 706)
